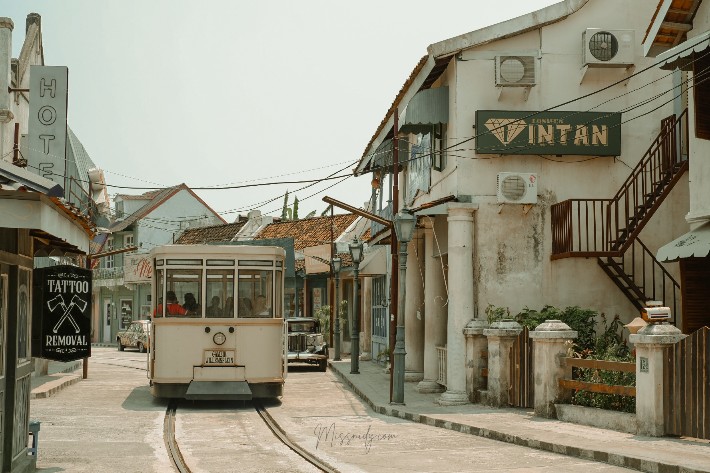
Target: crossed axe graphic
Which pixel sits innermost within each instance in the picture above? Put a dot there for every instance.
(58, 301)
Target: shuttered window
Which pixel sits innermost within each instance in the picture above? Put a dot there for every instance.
(701, 88)
(695, 290)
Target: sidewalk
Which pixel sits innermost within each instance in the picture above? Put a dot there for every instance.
(59, 375)
(519, 426)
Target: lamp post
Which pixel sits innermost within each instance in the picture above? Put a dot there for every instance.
(356, 254)
(404, 223)
(337, 264)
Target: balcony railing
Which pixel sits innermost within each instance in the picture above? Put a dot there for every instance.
(385, 212)
(108, 273)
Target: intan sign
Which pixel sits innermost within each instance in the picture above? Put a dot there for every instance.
(559, 133)
(61, 327)
(48, 121)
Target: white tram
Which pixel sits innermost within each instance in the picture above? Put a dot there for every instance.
(218, 327)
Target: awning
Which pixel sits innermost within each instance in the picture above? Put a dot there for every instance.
(427, 108)
(21, 177)
(695, 243)
(375, 261)
(682, 56)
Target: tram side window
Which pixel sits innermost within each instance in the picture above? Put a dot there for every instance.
(158, 311)
(183, 292)
(255, 292)
(220, 293)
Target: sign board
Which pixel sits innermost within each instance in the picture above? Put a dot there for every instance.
(48, 122)
(643, 364)
(559, 133)
(137, 268)
(61, 313)
(317, 259)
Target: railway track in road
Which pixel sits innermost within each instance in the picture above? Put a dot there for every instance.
(181, 466)
(173, 448)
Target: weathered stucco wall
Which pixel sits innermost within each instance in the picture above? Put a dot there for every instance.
(512, 249)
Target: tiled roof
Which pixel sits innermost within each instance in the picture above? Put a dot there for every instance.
(211, 234)
(308, 232)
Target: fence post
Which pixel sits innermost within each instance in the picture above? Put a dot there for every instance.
(650, 343)
(551, 340)
(476, 343)
(501, 337)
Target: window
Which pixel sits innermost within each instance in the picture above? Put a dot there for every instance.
(108, 260)
(255, 293)
(128, 241)
(438, 155)
(701, 94)
(183, 289)
(219, 293)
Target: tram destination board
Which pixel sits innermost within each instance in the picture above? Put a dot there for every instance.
(219, 357)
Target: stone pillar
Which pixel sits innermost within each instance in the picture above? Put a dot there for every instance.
(501, 337)
(551, 339)
(460, 248)
(366, 326)
(434, 311)
(650, 343)
(476, 344)
(414, 313)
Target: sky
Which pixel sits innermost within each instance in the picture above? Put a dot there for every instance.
(223, 93)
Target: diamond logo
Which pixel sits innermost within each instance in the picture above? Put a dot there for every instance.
(505, 129)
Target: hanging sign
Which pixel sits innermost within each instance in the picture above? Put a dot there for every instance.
(559, 133)
(48, 121)
(61, 325)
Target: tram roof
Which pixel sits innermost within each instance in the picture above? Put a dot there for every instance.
(182, 250)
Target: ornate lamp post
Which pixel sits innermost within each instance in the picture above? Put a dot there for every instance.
(356, 254)
(337, 264)
(404, 223)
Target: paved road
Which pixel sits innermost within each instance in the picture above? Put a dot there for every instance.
(110, 423)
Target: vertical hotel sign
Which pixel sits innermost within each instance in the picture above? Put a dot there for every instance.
(560, 133)
(48, 122)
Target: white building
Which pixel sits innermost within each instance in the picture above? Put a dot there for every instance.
(566, 103)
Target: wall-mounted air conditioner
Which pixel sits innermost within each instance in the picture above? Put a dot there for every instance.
(516, 71)
(517, 188)
(608, 48)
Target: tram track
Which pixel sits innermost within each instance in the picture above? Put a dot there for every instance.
(181, 466)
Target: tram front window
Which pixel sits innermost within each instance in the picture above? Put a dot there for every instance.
(255, 293)
(186, 287)
(220, 293)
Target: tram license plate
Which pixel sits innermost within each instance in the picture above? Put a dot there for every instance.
(219, 357)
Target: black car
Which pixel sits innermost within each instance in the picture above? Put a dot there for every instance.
(306, 343)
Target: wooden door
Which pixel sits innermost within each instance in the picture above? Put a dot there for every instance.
(695, 293)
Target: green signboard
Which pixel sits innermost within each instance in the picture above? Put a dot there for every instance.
(559, 133)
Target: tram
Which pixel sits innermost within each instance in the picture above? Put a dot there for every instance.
(218, 330)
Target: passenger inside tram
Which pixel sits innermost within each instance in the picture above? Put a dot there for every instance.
(191, 306)
(214, 309)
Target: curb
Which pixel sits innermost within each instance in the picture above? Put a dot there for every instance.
(640, 464)
(52, 387)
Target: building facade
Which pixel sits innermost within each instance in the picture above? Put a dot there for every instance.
(520, 145)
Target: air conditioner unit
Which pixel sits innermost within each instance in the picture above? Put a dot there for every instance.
(608, 48)
(516, 71)
(517, 188)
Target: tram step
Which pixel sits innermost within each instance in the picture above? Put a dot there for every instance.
(218, 391)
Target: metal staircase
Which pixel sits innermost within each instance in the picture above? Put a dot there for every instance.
(608, 228)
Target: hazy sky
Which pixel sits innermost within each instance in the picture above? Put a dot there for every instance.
(226, 92)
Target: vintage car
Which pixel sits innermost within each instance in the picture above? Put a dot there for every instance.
(137, 335)
(306, 343)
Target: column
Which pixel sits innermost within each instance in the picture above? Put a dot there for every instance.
(460, 251)
(414, 313)
(501, 337)
(650, 343)
(434, 311)
(366, 325)
(550, 341)
(476, 344)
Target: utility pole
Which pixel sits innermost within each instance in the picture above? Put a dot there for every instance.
(394, 279)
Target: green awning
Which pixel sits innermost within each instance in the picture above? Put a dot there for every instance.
(682, 56)
(427, 108)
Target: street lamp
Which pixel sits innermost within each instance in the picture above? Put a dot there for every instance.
(337, 264)
(356, 254)
(404, 224)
